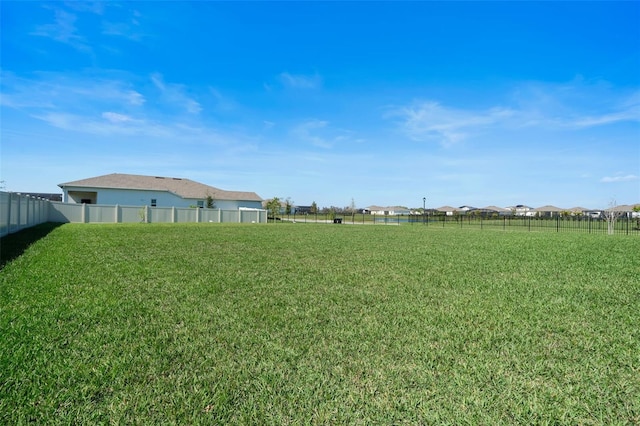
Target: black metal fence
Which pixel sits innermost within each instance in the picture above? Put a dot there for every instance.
(626, 224)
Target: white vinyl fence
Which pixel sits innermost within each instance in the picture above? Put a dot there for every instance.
(18, 212)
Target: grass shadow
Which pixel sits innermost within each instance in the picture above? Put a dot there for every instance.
(13, 245)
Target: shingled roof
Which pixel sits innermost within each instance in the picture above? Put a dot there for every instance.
(548, 208)
(185, 188)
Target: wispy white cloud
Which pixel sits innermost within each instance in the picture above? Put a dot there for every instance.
(49, 90)
(605, 119)
(63, 30)
(318, 133)
(431, 121)
(175, 94)
(134, 97)
(96, 7)
(307, 132)
(620, 178)
(574, 104)
(539, 106)
(268, 124)
(115, 117)
(300, 81)
(222, 102)
(129, 28)
(105, 124)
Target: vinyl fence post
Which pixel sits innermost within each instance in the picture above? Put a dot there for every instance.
(28, 216)
(9, 213)
(18, 215)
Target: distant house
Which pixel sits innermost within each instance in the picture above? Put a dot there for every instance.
(154, 191)
(522, 210)
(465, 209)
(493, 210)
(388, 211)
(626, 210)
(578, 211)
(548, 211)
(302, 209)
(44, 196)
(448, 210)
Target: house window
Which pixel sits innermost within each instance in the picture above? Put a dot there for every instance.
(201, 204)
(153, 202)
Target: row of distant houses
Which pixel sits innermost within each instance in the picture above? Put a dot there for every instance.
(523, 210)
(518, 210)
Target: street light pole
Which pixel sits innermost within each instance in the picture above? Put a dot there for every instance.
(424, 208)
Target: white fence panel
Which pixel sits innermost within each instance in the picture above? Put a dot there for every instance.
(210, 215)
(5, 213)
(14, 215)
(229, 216)
(95, 213)
(160, 215)
(131, 214)
(249, 216)
(186, 215)
(21, 211)
(63, 212)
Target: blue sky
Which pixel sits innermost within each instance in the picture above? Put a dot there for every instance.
(465, 103)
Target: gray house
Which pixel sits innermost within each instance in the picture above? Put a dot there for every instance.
(154, 191)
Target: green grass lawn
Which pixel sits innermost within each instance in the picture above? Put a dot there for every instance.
(320, 324)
